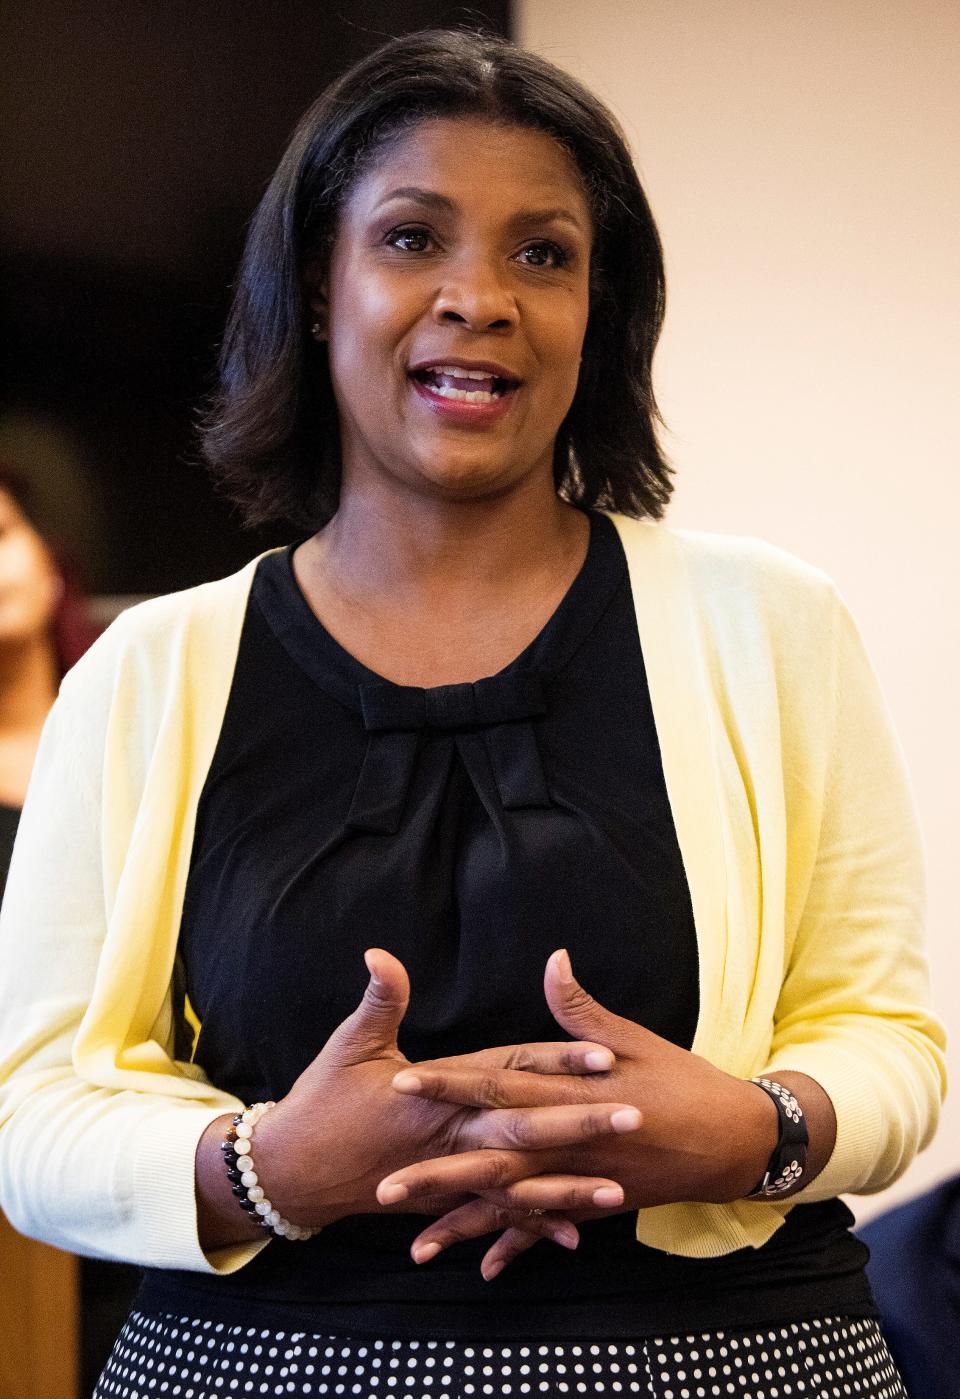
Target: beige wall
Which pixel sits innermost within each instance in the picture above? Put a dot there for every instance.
(802, 161)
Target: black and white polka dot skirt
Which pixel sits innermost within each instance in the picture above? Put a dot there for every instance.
(179, 1358)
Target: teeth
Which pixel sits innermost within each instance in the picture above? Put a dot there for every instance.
(455, 372)
(465, 395)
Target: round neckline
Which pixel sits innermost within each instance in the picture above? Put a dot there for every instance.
(337, 671)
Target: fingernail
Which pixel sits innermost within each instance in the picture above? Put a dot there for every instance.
(392, 1194)
(566, 1236)
(407, 1083)
(371, 969)
(608, 1195)
(490, 1270)
(598, 1059)
(625, 1120)
(424, 1252)
(562, 964)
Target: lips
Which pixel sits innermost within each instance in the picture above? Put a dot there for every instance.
(481, 383)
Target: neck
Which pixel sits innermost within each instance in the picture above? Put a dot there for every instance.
(28, 683)
(427, 549)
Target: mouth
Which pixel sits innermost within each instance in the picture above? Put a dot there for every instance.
(480, 385)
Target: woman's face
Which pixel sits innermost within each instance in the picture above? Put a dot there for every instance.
(455, 307)
(30, 586)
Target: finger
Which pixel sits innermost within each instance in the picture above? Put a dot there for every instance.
(372, 1028)
(560, 1194)
(493, 1088)
(465, 1172)
(581, 1015)
(540, 1204)
(563, 1057)
(539, 1129)
(479, 1217)
(509, 1246)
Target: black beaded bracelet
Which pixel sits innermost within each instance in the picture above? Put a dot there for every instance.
(789, 1159)
(244, 1181)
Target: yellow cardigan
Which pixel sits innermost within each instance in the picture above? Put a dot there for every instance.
(793, 816)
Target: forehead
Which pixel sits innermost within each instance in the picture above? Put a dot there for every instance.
(473, 162)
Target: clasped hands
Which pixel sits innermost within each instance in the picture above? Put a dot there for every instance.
(523, 1139)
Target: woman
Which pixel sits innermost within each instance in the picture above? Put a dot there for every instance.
(486, 717)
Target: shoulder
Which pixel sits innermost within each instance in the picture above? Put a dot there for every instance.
(165, 632)
(749, 560)
(733, 576)
(711, 558)
(158, 617)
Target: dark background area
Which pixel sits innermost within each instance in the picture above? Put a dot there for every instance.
(135, 141)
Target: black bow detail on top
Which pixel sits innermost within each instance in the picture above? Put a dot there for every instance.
(395, 716)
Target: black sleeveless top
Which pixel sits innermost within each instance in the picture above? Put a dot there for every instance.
(470, 830)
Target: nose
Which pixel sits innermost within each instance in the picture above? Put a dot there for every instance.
(475, 294)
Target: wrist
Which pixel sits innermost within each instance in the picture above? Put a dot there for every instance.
(786, 1169)
(249, 1190)
(282, 1149)
(753, 1135)
(219, 1222)
(820, 1118)
(761, 1128)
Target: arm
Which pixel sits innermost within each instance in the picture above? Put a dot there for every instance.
(88, 1165)
(854, 1008)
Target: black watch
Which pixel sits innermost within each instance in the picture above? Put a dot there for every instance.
(789, 1159)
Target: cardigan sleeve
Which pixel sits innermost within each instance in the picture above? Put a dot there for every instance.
(101, 1170)
(853, 1010)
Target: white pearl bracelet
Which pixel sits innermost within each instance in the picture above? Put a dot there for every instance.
(238, 1155)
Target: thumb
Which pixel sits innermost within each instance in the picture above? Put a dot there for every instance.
(371, 1031)
(579, 1014)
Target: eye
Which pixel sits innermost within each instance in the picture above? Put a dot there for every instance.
(409, 240)
(544, 253)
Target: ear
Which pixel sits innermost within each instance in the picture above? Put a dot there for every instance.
(315, 298)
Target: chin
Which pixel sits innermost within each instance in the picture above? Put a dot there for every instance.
(469, 486)
(466, 480)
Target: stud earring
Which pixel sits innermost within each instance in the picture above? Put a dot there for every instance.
(316, 330)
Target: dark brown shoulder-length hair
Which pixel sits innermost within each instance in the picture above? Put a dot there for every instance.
(270, 431)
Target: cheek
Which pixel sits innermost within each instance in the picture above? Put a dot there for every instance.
(562, 341)
(564, 318)
(35, 578)
(369, 316)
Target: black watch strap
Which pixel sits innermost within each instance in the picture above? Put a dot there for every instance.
(788, 1162)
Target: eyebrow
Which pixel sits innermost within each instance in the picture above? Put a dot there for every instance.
(432, 200)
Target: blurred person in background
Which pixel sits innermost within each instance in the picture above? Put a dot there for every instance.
(44, 630)
(486, 757)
